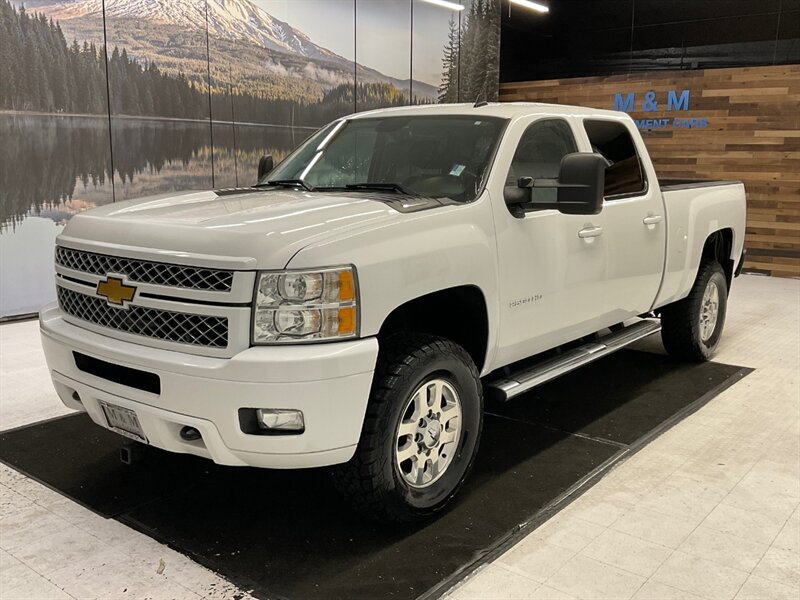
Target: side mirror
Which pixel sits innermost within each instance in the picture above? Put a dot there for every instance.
(581, 181)
(265, 165)
(580, 186)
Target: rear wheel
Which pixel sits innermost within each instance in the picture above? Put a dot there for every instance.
(421, 430)
(691, 328)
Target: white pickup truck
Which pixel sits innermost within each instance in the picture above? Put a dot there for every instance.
(353, 307)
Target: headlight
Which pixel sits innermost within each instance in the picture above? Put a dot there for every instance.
(299, 306)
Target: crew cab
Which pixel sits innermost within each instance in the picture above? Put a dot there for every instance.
(353, 307)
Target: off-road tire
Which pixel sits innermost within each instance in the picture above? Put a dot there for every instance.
(681, 321)
(371, 480)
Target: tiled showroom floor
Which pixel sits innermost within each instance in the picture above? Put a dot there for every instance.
(707, 510)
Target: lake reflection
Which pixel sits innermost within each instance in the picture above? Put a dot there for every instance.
(52, 167)
(62, 164)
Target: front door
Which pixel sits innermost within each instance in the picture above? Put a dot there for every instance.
(552, 266)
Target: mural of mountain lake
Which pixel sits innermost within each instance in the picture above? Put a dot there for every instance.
(55, 166)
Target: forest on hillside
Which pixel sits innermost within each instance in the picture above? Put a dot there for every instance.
(41, 72)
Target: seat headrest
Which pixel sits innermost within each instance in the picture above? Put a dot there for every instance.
(425, 153)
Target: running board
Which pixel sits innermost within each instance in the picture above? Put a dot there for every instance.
(513, 384)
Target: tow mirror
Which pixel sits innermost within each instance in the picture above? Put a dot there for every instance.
(580, 186)
(265, 165)
(581, 181)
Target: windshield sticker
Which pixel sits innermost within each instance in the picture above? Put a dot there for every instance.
(457, 170)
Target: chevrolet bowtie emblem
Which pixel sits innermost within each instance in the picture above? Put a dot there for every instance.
(115, 292)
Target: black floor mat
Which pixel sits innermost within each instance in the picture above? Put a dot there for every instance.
(286, 534)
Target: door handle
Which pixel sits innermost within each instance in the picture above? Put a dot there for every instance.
(652, 219)
(590, 232)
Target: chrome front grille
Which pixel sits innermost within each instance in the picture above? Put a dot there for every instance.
(143, 271)
(183, 328)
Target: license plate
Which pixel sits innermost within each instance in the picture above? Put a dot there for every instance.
(124, 421)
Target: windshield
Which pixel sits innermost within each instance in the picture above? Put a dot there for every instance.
(435, 156)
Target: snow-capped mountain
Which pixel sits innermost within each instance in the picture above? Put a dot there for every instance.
(240, 21)
(227, 19)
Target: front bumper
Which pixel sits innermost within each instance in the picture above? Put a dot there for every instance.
(330, 383)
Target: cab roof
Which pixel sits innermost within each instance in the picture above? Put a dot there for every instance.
(504, 110)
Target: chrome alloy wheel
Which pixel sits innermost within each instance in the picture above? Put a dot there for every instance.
(428, 434)
(709, 311)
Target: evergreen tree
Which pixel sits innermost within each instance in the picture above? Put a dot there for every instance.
(492, 50)
(448, 90)
(477, 56)
(475, 53)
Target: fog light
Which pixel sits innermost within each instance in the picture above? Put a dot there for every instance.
(279, 419)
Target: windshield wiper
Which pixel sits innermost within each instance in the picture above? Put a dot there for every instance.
(380, 186)
(291, 183)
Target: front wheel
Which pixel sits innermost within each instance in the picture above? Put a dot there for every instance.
(691, 328)
(421, 430)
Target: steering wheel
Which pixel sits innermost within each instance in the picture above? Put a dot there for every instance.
(452, 186)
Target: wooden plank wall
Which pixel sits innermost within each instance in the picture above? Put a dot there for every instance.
(753, 135)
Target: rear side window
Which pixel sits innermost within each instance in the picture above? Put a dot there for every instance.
(624, 173)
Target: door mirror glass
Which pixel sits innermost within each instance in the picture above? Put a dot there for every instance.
(265, 165)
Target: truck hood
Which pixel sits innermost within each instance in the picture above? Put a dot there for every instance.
(265, 226)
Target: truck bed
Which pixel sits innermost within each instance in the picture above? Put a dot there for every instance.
(668, 185)
(695, 208)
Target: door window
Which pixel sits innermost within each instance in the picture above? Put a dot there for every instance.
(624, 173)
(539, 155)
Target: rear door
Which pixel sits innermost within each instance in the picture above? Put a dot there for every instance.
(635, 219)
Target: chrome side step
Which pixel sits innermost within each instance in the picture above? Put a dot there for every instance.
(508, 386)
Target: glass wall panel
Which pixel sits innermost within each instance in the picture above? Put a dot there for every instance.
(479, 71)
(190, 94)
(383, 53)
(223, 112)
(435, 53)
(276, 76)
(54, 156)
(158, 82)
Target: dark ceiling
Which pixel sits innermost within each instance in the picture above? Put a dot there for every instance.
(601, 37)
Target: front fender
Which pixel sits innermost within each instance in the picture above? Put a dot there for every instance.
(422, 253)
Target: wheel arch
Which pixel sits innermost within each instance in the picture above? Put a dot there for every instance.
(459, 314)
(719, 247)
